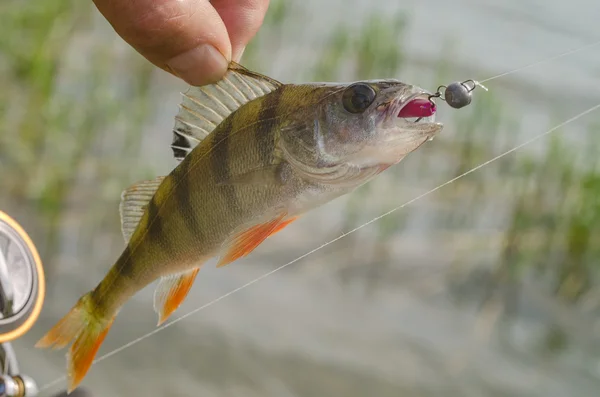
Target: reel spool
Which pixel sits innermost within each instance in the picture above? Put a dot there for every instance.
(22, 283)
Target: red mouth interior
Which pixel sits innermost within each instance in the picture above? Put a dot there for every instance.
(418, 107)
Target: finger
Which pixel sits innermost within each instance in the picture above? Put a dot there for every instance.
(242, 18)
(185, 37)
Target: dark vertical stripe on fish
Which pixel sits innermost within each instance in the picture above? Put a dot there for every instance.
(124, 264)
(182, 196)
(220, 161)
(263, 136)
(155, 228)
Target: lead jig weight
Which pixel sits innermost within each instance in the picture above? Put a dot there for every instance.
(457, 95)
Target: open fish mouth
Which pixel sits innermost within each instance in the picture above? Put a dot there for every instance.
(414, 112)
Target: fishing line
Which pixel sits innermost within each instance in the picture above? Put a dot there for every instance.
(212, 302)
(569, 52)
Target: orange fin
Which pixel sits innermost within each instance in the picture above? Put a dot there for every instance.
(283, 225)
(243, 243)
(171, 292)
(86, 331)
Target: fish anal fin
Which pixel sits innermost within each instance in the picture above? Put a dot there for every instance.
(171, 292)
(204, 108)
(246, 241)
(133, 202)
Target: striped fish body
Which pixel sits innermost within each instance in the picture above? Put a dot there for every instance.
(254, 155)
(232, 181)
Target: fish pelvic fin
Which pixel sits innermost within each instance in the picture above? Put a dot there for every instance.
(282, 225)
(171, 292)
(86, 331)
(242, 243)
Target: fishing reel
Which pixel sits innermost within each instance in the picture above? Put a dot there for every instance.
(17, 386)
(22, 289)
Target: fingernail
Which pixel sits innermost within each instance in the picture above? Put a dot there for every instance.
(238, 56)
(199, 66)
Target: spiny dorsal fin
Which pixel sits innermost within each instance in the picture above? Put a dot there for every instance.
(203, 108)
(133, 202)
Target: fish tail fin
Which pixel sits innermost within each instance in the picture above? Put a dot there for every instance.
(86, 330)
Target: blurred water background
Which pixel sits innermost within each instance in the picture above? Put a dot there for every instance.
(488, 287)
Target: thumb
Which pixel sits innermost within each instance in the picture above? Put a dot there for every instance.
(185, 37)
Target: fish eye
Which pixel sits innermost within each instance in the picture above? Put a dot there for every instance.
(358, 97)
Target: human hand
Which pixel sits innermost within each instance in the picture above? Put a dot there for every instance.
(192, 39)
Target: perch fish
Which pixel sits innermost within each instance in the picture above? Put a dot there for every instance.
(254, 155)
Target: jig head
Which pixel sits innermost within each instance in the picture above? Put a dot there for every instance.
(457, 95)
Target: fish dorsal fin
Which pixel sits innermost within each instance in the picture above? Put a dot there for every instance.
(133, 202)
(203, 108)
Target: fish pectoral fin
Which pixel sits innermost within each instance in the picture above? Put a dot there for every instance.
(133, 202)
(171, 292)
(242, 243)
